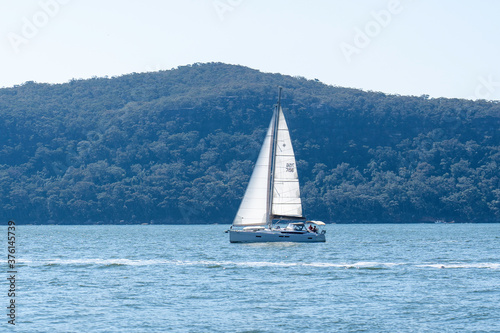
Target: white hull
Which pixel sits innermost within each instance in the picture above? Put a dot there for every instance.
(243, 236)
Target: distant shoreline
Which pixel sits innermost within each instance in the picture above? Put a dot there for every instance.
(228, 224)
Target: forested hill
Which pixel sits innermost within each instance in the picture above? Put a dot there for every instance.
(179, 146)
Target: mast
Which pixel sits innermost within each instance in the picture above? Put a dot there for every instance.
(272, 160)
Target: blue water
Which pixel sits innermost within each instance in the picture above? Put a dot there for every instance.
(365, 278)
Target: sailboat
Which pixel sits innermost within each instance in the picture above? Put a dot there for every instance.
(271, 209)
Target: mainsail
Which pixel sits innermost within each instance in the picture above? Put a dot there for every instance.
(264, 201)
(286, 189)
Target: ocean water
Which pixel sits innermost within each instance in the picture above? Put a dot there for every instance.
(365, 278)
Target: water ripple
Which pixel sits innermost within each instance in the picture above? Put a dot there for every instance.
(253, 264)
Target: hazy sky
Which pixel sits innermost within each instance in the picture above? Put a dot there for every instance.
(447, 48)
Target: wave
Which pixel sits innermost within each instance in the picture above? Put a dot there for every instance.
(285, 264)
(87, 262)
(462, 265)
(255, 264)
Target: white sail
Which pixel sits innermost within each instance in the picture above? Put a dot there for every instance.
(253, 208)
(286, 189)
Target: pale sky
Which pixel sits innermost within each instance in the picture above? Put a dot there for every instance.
(443, 48)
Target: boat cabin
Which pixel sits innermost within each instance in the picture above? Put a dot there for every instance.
(303, 227)
(296, 226)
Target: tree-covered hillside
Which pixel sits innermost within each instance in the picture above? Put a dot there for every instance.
(179, 146)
